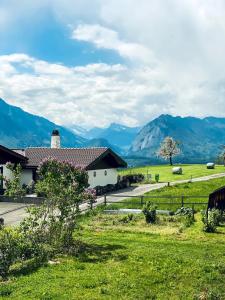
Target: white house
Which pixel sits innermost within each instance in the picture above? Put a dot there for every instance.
(100, 163)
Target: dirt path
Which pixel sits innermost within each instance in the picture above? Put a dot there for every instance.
(13, 213)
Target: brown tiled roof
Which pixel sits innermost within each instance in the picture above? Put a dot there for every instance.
(77, 156)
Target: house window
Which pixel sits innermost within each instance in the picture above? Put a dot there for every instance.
(105, 173)
(94, 174)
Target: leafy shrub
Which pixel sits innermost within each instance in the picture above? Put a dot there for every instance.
(132, 178)
(188, 215)
(127, 219)
(183, 211)
(130, 217)
(218, 216)
(9, 250)
(30, 188)
(49, 228)
(157, 178)
(13, 187)
(5, 290)
(65, 187)
(149, 211)
(212, 220)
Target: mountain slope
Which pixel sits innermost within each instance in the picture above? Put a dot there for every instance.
(200, 138)
(21, 129)
(120, 136)
(102, 143)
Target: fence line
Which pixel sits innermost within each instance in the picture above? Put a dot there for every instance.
(141, 200)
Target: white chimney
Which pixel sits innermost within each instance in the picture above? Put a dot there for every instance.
(55, 139)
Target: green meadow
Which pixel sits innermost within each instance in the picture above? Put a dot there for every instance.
(122, 259)
(173, 194)
(119, 257)
(165, 171)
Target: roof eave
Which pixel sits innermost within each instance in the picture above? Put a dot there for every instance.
(107, 151)
(13, 153)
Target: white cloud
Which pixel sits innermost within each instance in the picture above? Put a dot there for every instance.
(96, 94)
(175, 61)
(106, 38)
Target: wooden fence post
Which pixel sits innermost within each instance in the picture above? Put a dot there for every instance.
(182, 201)
(105, 201)
(91, 204)
(142, 200)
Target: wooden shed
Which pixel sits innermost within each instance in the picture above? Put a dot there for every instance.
(217, 199)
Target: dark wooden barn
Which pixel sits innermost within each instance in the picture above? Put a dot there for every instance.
(217, 199)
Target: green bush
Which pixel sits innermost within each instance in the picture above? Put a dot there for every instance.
(127, 219)
(212, 220)
(9, 250)
(149, 211)
(13, 186)
(157, 178)
(17, 245)
(188, 215)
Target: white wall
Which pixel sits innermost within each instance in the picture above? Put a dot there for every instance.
(6, 173)
(102, 179)
(26, 176)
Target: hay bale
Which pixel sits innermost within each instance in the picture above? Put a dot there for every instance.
(177, 170)
(210, 166)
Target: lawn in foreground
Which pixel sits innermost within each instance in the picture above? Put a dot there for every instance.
(165, 171)
(195, 189)
(132, 261)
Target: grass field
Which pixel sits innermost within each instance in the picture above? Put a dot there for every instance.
(131, 261)
(165, 171)
(195, 189)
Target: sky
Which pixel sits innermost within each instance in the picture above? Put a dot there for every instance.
(94, 62)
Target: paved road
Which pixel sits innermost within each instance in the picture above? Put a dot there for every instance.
(13, 213)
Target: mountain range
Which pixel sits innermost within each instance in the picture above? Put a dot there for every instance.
(19, 129)
(120, 136)
(200, 139)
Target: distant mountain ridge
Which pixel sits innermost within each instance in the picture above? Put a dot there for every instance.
(102, 143)
(200, 138)
(20, 129)
(120, 136)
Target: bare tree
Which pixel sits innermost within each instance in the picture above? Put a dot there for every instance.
(168, 149)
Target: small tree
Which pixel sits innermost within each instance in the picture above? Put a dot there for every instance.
(64, 187)
(13, 185)
(168, 149)
(149, 211)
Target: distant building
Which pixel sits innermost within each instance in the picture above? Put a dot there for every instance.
(100, 163)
